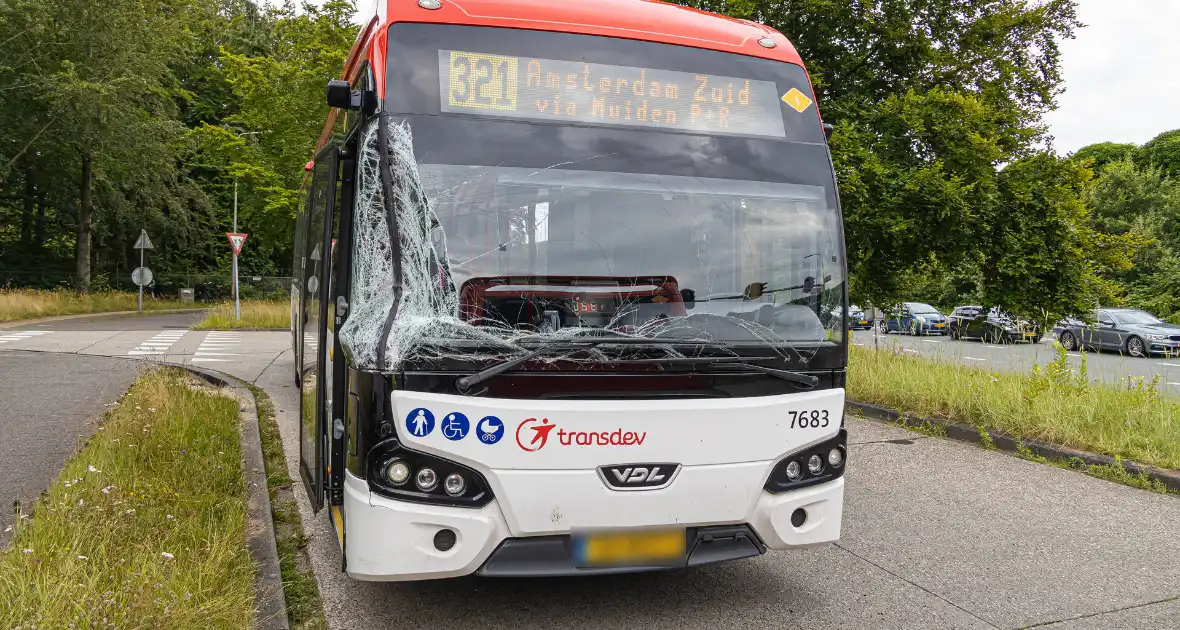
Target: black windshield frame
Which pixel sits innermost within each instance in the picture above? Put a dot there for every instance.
(412, 95)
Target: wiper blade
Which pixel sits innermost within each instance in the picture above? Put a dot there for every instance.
(465, 383)
(565, 342)
(795, 377)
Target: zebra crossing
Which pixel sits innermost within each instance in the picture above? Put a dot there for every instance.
(215, 346)
(20, 335)
(158, 344)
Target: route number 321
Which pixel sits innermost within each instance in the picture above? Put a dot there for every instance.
(815, 418)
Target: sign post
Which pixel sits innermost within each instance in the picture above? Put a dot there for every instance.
(142, 275)
(236, 240)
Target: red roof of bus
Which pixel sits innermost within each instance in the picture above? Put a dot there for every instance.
(647, 20)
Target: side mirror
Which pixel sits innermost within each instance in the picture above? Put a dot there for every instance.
(690, 297)
(828, 129)
(341, 95)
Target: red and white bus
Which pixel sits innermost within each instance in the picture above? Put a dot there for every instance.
(570, 294)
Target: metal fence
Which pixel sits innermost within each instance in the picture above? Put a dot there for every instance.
(205, 287)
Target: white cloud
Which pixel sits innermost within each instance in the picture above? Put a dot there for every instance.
(1121, 79)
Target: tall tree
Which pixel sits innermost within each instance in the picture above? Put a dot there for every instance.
(1099, 155)
(929, 98)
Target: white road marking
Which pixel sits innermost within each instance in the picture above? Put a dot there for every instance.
(995, 346)
(214, 345)
(932, 340)
(914, 351)
(158, 344)
(1072, 354)
(1171, 364)
(21, 335)
(1176, 384)
(974, 359)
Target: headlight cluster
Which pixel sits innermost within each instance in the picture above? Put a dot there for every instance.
(817, 464)
(400, 473)
(1158, 337)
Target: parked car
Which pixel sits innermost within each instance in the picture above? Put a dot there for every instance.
(1135, 332)
(914, 318)
(858, 319)
(1063, 324)
(957, 320)
(992, 325)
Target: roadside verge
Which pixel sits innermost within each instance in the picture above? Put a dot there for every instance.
(1054, 413)
(147, 525)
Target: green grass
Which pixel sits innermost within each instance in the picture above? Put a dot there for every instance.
(255, 314)
(145, 526)
(16, 304)
(1051, 403)
(305, 611)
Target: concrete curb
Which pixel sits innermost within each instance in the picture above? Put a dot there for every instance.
(270, 605)
(1009, 444)
(17, 323)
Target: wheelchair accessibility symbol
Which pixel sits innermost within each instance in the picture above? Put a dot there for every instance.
(490, 430)
(455, 426)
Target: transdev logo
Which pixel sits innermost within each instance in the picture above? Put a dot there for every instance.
(532, 435)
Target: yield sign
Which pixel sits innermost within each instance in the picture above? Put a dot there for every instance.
(236, 240)
(144, 242)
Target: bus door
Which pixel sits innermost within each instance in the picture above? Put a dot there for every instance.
(312, 419)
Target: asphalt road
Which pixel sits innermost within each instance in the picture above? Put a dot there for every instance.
(1105, 367)
(937, 534)
(48, 402)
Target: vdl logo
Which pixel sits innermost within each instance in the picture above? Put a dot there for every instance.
(638, 476)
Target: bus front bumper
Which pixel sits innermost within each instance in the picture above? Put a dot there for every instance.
(390, 540)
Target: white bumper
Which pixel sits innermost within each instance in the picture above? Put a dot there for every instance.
(727, 449)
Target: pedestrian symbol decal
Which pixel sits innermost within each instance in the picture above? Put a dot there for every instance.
(490, 430)
(420, 422)
(455, 426)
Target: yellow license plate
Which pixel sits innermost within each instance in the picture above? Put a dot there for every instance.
(629, 548)
(864, 321)
(940, 325)
(1030, 334)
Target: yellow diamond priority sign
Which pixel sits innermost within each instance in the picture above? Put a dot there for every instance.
(797, 100)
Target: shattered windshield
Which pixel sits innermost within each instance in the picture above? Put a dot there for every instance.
(544, 250)
(544, 188)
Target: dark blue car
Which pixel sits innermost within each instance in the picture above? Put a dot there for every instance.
(914, 318)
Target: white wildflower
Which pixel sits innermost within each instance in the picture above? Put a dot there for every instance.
(81, 502)
(169, 517)
(167, 556)
(26, 550)
(131, 511)
(83, 558)
(107, 490)
(93, 469)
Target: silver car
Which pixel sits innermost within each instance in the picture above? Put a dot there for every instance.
(1135, 332)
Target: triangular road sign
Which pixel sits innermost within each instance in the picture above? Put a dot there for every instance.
(236, 241)
(144, 242)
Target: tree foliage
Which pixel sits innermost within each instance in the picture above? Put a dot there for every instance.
(131, 114)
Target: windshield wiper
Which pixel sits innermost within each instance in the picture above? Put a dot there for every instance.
(795, 377)
(465, 383)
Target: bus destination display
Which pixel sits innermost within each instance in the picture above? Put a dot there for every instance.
(574, 91)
